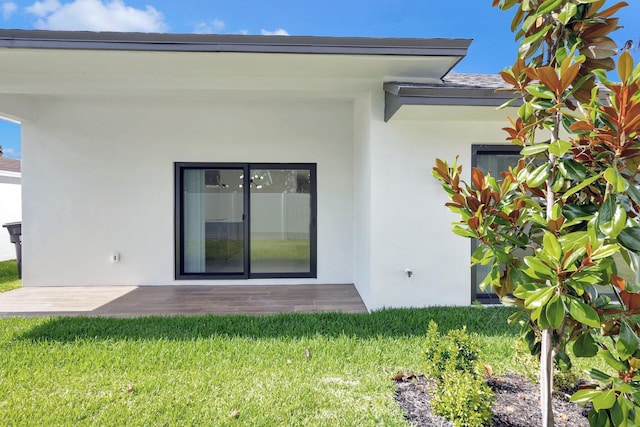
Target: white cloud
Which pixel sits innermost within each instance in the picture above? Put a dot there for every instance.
(43, 8)
(11, 153)
(94, 15)
(216, 26)
(8, 8)
(278, 32)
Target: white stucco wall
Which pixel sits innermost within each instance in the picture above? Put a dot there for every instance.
(379, 209)
(410, 226)
(112, 187)
(10, 210)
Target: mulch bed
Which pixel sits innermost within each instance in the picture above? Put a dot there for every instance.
(517, 404)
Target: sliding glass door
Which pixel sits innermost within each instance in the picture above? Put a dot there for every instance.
(213, 220)
(280, 221)
(245, 220)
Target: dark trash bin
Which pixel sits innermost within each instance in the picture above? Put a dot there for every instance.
(15, 235)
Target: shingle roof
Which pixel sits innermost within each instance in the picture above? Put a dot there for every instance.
(9, 165)
(475, 81)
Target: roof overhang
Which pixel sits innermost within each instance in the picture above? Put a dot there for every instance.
(398, 94)
(38, 62)
(42, 39)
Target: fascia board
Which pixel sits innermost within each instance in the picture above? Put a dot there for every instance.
(40, 39)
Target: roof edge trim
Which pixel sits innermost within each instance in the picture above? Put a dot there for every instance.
(87, 40)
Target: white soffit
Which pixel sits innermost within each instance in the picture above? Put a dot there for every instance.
(50, 62)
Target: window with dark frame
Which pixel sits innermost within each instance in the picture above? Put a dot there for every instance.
(493, 158)
(245, 220)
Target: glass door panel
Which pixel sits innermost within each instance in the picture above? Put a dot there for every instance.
(280, 220)
(213, 221)
(493, 162)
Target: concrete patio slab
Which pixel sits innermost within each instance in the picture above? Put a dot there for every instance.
(55, 299)
(133, 301)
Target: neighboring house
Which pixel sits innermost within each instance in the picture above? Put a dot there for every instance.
(10, 203)
(157, 159)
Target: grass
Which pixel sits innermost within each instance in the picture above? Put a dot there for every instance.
(260, 249)
(9, 276)
(228, 370)
(225, 370)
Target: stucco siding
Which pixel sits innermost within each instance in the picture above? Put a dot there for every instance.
(101, 179)
(411, 227)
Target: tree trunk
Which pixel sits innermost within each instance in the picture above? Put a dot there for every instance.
(547, 355)
(546, 377)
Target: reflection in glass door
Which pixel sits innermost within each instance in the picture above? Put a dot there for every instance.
(213, 212)
(280, 221)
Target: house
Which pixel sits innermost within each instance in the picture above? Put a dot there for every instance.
(156, 159)
(10, 203)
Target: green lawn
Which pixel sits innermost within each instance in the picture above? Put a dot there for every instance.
(260, 249)
(9, 276)
(225, 370)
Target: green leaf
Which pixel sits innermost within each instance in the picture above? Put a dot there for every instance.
(539, 298)
(574, 241)
(585, 346)
(611, 218)
(587, 278)
(599, 419)
(555, 312)
(551, 245)
(539, 315)
(605, 251)
(612, 361)
(598, 375)
(630, 238)
(525, 111)
(531, 150)
(548, 6)
(571, 211)
(563, 361)
(537, 269)
(582, 397)
(571, 169)
(619, 415)
(583, 313)
(513, 318)
(540, 91)
(617, 181)
(538, 176)
(604, 400)
(568, 11)
(628, 341)
(535, 37)
(559, 147)
(464, 232)
(584, 183)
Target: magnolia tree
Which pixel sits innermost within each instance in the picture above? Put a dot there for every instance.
(558, 227)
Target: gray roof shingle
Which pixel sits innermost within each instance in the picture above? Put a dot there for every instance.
(9, 165)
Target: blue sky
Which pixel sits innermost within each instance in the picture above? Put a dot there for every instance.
(493, 47)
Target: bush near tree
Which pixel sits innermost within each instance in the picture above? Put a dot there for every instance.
(556, 227)
(460, 393)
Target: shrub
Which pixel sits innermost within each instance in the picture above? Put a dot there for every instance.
(461, 394)
(457, 350)
(463, 398)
